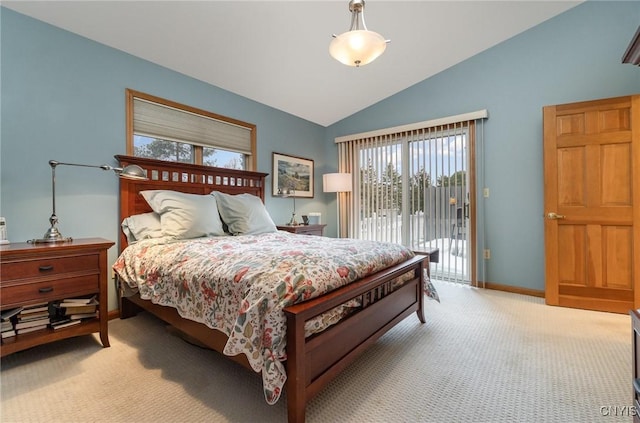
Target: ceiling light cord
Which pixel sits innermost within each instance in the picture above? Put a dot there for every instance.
(357, 16)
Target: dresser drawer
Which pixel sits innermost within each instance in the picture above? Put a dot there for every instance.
(24, 269)
(23, 293)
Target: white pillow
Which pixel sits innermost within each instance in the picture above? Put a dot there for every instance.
(185, 216)
(142, 226)
(244, 214)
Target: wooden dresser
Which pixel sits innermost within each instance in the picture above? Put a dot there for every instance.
(41, 273)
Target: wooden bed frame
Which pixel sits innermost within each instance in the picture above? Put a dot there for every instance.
(311, 362)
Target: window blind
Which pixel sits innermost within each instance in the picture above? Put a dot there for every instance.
(168, 123)
(414, 185)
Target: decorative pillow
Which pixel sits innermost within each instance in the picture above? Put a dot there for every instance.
(185, 216)
(244, 214)
(142, 226)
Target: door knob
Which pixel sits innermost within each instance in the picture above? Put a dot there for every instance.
(554, 216)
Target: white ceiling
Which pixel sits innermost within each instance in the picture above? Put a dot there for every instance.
(276, 52)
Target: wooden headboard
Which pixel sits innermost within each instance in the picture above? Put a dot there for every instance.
(183, 177)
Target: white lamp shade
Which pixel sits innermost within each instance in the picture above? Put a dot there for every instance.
(337, 182)
(357, 48)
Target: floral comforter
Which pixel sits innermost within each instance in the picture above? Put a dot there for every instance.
(240, 284)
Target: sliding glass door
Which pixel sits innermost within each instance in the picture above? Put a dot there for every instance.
(413, 188)
(438, 168)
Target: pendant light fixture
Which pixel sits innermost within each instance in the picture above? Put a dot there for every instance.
(358, 46)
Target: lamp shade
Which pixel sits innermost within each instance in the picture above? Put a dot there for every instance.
(357, 48)
(132, 172)
(337, 182)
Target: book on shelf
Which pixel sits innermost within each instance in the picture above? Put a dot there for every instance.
(65, 323)
(80, 300)
(32, 316)
(36, 308)
(7, 329)
(33, 306)
(8, 333)
(65, 308)
(31, 329)
(80, 316)
(7, 314)
(32, 323)
(59, 320)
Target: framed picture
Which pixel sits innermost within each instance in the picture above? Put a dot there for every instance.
(292, 176)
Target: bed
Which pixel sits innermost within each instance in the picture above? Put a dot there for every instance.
(313, 353)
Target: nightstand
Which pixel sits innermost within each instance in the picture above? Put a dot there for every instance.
(42, 273)
(432, 253)
(304, 229)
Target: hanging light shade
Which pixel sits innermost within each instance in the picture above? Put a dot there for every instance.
(358, 46)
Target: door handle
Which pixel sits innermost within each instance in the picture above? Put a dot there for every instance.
(555, 216)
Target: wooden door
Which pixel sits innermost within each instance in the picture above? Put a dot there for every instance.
(592, 204)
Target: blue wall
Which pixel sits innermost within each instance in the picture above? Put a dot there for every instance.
(62, 97)
(573, 57)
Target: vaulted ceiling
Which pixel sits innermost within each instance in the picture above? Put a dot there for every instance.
(276, 52)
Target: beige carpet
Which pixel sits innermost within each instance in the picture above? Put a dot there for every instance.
(482, 356)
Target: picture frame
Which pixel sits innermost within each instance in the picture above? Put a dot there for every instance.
(292, 176)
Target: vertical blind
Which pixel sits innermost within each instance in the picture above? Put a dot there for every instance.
(411, 186)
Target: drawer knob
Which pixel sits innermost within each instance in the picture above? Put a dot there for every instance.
(45, 290)
(45, 268)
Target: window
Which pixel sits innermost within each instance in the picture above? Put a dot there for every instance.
(164, 130)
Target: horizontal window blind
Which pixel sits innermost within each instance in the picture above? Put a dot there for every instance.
(168, 123)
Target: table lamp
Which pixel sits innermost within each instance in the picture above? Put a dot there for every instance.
(53, 234)
(337, 182)
(291, 193)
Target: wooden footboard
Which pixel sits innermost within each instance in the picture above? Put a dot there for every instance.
(313, 362)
